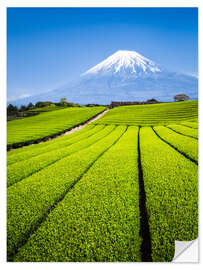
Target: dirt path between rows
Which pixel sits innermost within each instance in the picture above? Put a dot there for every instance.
(84, 125)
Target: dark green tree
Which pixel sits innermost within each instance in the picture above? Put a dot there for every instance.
(12, 109)
(181, 97)
(23, 108)
(39, 104)
(30, 106)
(63, 101)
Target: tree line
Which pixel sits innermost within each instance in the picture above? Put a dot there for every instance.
(14, 110)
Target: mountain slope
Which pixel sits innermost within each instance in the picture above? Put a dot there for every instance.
(124, 76)
(124, 63)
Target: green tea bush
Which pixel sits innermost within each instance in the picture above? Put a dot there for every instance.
(185, 130)
(30, 199)
(191, 124)
(98, 220)
(47, 124)
(147, 115)
(37, 149)
(188, 146)
(23, 169)
(171, 186)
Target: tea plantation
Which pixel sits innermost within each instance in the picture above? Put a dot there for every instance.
(48, 124)
(123, 188)
(156, 114)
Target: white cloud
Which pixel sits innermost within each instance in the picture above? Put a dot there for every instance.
(13, 98)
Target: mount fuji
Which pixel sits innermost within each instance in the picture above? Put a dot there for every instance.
(123, 76)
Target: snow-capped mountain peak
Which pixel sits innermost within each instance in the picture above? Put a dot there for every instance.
(124, 76)
(124, 62)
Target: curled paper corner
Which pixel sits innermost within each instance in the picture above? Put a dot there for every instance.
(186, 251)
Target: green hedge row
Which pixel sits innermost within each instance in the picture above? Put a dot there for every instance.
(33, 197)
(23, 169)
(30, 151)
(48, 124)
(191, 124)
(99, 219)
(185, 130)
(186, 145)
(171, 186)
(156, 114)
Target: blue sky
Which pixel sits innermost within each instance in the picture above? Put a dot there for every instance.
(47, 47)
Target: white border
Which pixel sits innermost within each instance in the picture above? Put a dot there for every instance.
(100, 3)
(75, 3)
(2, 133)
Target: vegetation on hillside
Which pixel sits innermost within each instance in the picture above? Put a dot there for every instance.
(13, 112)
(147, 115)
(107, 193)
(46, 125)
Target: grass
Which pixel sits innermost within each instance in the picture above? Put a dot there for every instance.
(28, 130)
(147, 115)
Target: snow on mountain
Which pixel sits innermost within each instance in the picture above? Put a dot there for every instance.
(124, 62)
(123, 76)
